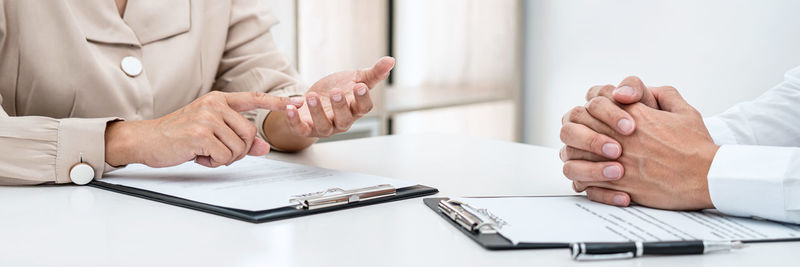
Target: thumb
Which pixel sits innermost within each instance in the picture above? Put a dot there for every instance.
(245, 101)
(632, 90)
(378, 72)
(670, 100)
(259, 147)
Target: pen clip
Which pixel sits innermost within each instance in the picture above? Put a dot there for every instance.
(598, 257)
(338, 196)
(457, 212)
(579, 253)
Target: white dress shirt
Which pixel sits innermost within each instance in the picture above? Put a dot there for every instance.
(756, 171)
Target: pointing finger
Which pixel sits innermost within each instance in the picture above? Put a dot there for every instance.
(245, 101)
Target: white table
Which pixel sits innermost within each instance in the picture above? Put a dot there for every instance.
(83, 226)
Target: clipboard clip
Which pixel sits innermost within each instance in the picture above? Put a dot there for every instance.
(473, 219)
(338, 196)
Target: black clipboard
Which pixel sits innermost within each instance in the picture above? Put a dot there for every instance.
(262, 216)
(490, 241)
(495, 241)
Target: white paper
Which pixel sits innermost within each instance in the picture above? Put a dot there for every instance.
(577, 219)
(252, 183)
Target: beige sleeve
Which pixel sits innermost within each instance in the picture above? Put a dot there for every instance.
(39, 150)
(252, 62)
(36, 150)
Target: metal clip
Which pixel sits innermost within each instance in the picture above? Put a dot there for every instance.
(338, 196)
(456, 211)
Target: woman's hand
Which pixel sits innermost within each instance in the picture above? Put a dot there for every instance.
(333, 104)
(209, 130)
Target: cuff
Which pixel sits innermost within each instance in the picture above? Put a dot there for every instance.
(719, 131)
(749, 180)
(81, 140)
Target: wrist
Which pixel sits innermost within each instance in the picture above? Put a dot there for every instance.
(119, 145)
(708, 158)
(280, 136)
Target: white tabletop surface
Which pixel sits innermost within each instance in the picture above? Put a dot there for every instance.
(83, 226)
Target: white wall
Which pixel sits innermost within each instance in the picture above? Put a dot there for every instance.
(716, 52)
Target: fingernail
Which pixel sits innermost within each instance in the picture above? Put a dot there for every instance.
(625, 125)
(336, 97)
(312, 101)
(619, 200)
(296, 100)
(612, 172)
(624, 90)
(362, 91)
(611, 150)
(290, 111)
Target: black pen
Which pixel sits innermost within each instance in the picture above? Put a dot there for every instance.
(626, 250)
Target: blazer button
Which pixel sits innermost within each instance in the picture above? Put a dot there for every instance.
(131, 66)
(81, 174)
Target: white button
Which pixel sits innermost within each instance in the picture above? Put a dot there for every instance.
(131, 66)
(81, 173)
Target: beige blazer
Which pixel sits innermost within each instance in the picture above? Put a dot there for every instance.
(62, 75)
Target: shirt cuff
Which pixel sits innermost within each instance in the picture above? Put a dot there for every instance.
(749, 181)
(81, 140)
(719, 131)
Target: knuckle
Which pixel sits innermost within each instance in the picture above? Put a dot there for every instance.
(606, 90)
(633, 78)
(566, 133)
(255, 94)
(576, 113)
(324, 131)
(343, 127)
(637, 107)
(570, 153)
(198, 131)
(206, 116)
(599, 90)
(251, 131)
(239, 149)
(366, 107)
(593, 194)
(209, 101)
(596, 104)
(566, 169)
(669, 89)
(214, 94)
(578, 186)
(595, 142)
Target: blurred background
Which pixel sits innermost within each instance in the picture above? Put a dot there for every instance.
(509, 69)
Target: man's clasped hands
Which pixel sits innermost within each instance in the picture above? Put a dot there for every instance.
(636, 143)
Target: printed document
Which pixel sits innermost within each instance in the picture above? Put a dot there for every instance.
(569, 219)
(253, 183)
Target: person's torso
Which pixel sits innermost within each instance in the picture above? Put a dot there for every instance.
(64, 58)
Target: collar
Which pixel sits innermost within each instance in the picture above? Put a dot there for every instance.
(144, 21)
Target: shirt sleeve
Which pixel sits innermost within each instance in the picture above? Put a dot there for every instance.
(252, 61)
(756, 171)
(39, 150)
(36, 150)
(760, 181)
(772, 119)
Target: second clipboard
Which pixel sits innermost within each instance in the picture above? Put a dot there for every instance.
(478, 230)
